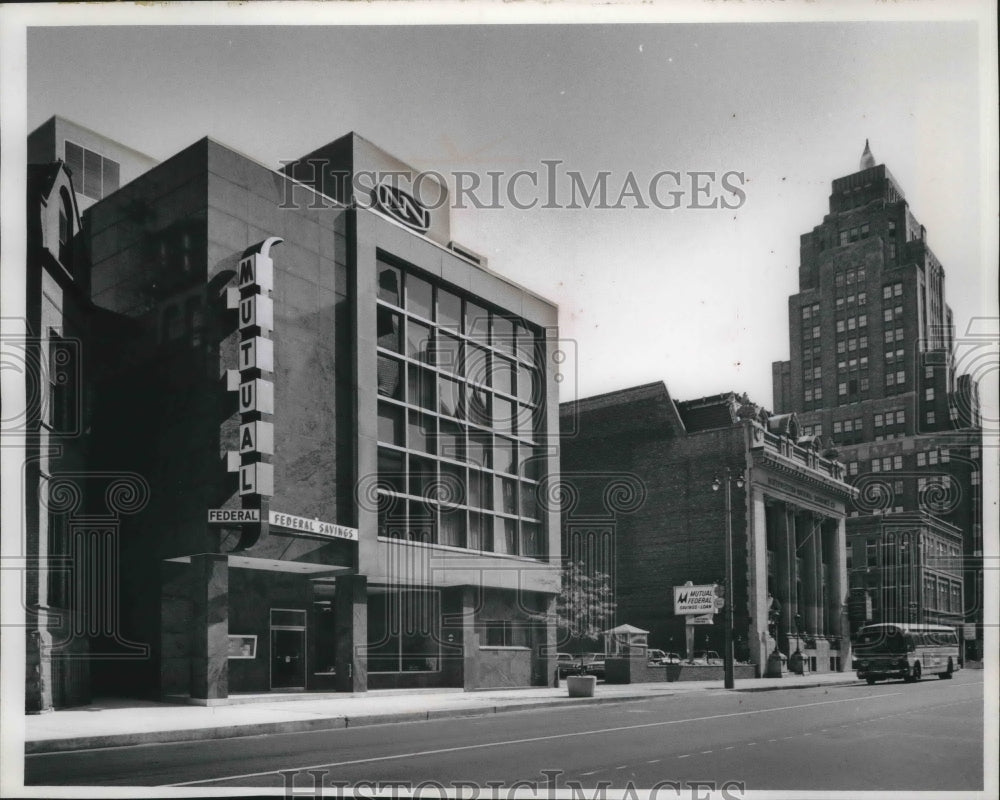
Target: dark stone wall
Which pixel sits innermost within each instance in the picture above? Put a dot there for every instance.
(176, 620)
(313, 330)
(677, 534)
(154, 396)
(161, 251)
(252, 595)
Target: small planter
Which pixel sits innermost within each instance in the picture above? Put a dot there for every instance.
(581, 685)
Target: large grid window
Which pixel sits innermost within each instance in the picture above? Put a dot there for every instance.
(94, 176)
(461, 412)
(404, 631)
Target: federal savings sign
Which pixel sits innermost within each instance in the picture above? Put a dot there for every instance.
(694, 599)
(233, 516)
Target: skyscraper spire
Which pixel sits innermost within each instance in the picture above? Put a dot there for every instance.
(867, 159)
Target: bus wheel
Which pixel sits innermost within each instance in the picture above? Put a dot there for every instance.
(869, 680)
(949, 673)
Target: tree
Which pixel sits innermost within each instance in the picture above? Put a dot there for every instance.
(585, 605)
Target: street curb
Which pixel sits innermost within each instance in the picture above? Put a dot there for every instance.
(845, 682)
(43, 746)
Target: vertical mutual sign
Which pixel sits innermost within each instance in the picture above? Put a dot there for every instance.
(251, 298)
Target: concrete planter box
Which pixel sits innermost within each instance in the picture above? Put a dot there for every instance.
(581, 685)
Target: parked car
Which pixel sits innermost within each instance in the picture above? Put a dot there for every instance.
(662, 657)
(706, 657)
(567, 664)
(593, 664)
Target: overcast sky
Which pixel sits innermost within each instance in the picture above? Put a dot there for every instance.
(696, 297)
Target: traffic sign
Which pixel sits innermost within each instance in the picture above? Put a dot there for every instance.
(720, 603)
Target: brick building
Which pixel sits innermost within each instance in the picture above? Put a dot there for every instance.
(316, 430)
(873, 369)
(788, 519)
(905, 565)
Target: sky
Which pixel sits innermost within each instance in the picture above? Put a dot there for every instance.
(695, 297)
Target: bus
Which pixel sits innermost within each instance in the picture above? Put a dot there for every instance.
(897, 650)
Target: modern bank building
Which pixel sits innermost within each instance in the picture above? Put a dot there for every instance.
(284, 434)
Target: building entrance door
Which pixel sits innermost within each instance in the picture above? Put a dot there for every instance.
(288, 649)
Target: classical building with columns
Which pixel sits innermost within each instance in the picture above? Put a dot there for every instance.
(327, 432)
(787, 507)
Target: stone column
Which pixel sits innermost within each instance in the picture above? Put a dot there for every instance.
(350, 611)
(810, 601)
(822, 576)
(543, 643)
(176, 616)
(470, 639)
(757, 603)
(38, 671)
(786, 579)
(458, 630)
(210, 626)
(837, 591)
(451, 635)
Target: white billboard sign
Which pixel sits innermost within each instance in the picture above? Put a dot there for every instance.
(694, 599)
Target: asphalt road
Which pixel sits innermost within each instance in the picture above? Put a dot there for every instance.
(891, 736)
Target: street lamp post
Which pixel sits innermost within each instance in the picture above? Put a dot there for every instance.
(727, 656)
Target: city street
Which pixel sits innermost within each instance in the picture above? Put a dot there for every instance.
(891, 736)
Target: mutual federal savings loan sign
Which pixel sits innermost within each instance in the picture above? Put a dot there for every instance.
(251, 298)
(236, 516)
(694, 599)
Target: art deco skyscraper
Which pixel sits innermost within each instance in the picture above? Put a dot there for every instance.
(872, 370)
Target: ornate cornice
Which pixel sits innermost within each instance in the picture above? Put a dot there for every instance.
(777, 463)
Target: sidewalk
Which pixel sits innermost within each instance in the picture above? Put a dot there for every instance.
(119, 722)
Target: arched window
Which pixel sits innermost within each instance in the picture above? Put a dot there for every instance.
(65, 254)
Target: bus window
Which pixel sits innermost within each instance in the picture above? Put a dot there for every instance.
(880, 641)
